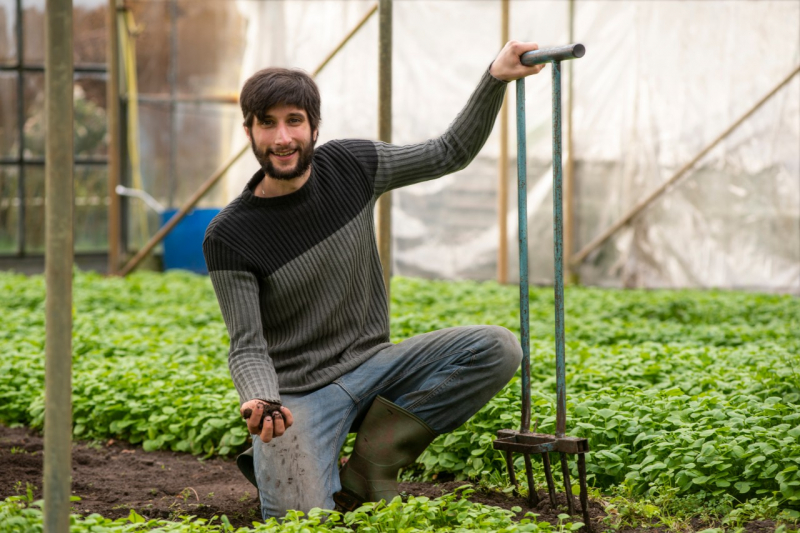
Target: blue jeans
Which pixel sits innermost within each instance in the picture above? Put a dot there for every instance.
(443, 377)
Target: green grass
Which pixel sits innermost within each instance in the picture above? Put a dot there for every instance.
(682, 394)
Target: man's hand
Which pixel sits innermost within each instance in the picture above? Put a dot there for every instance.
(508, 66)
(267, 420)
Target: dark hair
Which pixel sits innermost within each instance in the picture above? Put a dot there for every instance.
(279, 86)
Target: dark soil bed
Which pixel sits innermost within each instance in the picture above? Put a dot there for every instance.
(114, 477)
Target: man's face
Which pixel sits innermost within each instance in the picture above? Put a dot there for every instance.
(283, 143)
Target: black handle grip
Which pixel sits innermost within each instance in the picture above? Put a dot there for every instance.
(559, 53)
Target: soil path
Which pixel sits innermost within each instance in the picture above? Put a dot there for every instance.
(115, 477)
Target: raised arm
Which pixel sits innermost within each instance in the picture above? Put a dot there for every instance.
(399, 166)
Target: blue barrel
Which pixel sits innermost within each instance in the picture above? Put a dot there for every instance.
(183, 246)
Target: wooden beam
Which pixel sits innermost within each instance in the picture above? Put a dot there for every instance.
(384, 215)
(659, 191)
(502, 168)
(569, 168)
(113, 114)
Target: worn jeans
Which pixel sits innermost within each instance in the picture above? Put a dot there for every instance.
(443, 377)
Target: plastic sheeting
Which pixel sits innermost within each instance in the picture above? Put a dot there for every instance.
(659, 81)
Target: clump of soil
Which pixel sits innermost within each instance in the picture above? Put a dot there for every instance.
(112, 478)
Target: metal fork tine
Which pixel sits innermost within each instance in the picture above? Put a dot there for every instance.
(584, 492)
(533, 497)
(567, 484)
(548, 474)
(510, 468)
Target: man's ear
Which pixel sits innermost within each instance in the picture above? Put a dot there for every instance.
(247, 132)
(315, 134)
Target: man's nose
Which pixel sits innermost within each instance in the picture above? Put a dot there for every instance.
(282, 134)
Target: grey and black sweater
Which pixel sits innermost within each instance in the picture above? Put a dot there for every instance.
(298, 277)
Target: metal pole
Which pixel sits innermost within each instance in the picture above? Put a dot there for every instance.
(638, 208)
(502, 168)
(558, 241)
(112, 111)
(384, 215)
(206, 186)
(569, 171)
(524, 293)
(59, 202)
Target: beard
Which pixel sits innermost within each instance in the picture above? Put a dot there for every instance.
(305, 155)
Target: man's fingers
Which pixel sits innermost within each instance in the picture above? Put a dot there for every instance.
(520, 48)
(254, 420)
(288, 419)
(266, 430)
(278, 426)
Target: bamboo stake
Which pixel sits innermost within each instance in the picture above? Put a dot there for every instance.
(113, 110)
(217, 175)
(502, 168)
(569, 168)
(384, 215)
(638, 208)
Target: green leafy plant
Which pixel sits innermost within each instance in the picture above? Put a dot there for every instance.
(690, 395)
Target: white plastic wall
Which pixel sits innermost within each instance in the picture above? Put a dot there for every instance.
(660, 80)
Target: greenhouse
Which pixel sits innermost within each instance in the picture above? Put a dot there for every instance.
(358, 265)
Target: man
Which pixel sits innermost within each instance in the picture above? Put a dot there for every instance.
(296, 271)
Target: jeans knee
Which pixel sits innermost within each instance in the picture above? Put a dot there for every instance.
(506, 350)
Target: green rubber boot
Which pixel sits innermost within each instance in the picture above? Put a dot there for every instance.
(389, 439)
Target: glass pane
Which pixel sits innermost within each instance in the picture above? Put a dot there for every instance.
(8, 32)
(90, 116)
(154, 150)
(91, 208)
(9, 130)
(89, 31)
(33, 31)
(33, 100)
(9, 210)
(34, 209)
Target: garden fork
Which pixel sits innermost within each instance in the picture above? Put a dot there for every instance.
(524, 441)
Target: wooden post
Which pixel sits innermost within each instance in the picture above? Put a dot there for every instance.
(569, 169)
(502, 168)
(384, 215)
(112, 111)
(59, 207)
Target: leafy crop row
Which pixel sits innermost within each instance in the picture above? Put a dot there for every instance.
(449, 513)
(689, 391)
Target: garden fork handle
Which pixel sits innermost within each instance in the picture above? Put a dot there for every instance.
(559, 53)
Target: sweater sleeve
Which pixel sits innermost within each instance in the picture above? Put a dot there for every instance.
(399, 166)
(237, 289)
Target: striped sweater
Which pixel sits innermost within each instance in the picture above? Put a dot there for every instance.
(298, 277)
